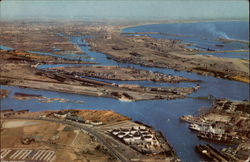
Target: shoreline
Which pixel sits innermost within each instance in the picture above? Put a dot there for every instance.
(176, 22)
(116, 22)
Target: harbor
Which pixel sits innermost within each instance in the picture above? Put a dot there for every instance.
(130, 88)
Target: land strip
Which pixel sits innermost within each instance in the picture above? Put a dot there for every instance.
(121, 74)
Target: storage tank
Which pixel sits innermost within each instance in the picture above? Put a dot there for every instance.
(121, 135)
(135, 128)
(148, 138)
(115, 131)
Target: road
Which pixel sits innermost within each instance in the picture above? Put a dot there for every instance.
(101, 137)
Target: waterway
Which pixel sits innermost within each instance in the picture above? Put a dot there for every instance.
(163, 115)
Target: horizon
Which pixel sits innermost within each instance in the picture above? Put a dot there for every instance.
(118, 10)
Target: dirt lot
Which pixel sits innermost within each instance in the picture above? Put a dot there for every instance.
(15, 124)
(104, 116)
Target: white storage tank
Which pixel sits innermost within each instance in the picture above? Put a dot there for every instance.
(128, 139)
(132, 131)
(148, 138)
(142, 127)
(121, 135)
(115, 131)
(137, 136)
(135, 128)
(126, 131)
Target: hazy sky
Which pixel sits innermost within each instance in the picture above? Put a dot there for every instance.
(128, 10)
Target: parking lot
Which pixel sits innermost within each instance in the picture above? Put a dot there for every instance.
(27, 154)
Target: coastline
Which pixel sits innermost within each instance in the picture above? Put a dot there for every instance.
(122, 27)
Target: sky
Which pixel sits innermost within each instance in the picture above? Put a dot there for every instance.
(124, 10)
